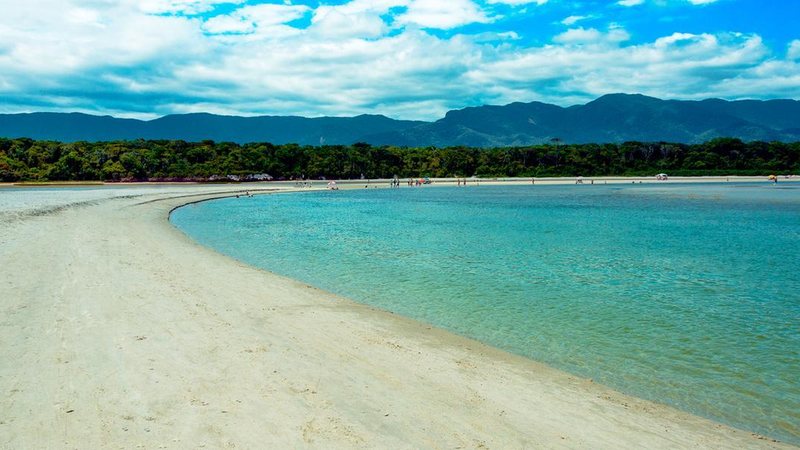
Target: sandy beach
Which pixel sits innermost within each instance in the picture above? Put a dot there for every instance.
(118, 331)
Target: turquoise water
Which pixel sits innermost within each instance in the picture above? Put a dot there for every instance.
(686, 295)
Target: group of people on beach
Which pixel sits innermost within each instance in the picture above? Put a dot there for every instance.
(395, 182)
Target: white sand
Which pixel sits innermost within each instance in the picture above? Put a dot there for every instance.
(117, 331)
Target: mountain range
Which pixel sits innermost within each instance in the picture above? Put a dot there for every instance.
(608, 119)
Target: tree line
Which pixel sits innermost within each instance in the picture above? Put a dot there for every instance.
(174, 160)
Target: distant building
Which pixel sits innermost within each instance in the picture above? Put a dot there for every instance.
(259, 177)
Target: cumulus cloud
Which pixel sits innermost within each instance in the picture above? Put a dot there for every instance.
(705, 65)
(442, 15)
(50, 37)
(249, 19)
(181, 6)
(591, 36)
(359, 18)
(794, 50)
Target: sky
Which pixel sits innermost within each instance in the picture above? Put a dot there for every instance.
(406, 59)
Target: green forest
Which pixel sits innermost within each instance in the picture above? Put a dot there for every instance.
(175, 160)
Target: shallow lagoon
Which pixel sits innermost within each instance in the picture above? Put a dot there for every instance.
(684, 294)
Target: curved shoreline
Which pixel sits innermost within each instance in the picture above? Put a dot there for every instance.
(123, 331)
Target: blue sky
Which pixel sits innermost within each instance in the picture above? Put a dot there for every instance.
(412, 59)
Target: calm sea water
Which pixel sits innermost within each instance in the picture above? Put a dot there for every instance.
(686, 295)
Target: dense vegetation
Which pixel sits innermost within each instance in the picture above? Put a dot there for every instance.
(29, 160)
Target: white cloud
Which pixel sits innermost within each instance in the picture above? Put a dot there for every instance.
(248, 19)
(359, 18)
(794, 50)
(772, 79)
(228, 24)
(676, 66)
(578, 36)
(582, 35)
(572, 20)
(442, 15)
(180, 6)
(630, 2)
(52, 37)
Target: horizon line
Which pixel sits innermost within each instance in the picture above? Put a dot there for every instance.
(150, 117)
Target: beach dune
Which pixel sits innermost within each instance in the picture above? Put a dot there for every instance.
(118, 331)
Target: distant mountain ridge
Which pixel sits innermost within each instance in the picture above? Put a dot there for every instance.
(610, 118)
(71, 127)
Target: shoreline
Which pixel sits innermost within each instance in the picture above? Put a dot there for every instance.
(403, 182)
(124, 331)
